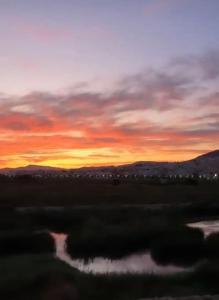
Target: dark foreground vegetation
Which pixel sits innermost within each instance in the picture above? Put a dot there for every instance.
(16, 242)
(40, 277)
(105, 220)
(168, 245)
(70, 192)
(168, 242)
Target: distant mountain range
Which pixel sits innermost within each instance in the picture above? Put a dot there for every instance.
(206, 164)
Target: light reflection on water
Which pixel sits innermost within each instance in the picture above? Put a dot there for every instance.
(208, 227)
(135, 263)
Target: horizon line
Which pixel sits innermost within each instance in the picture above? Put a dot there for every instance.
(104, 165)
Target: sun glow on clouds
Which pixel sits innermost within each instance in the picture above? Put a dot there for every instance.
(156, 115)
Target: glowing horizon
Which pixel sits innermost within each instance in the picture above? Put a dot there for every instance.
(76, 165)
(108, 83)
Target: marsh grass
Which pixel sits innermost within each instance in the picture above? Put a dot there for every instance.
(104, 230)
(169, 243)
(212, 246)
(24, 242)
(114, 238)
(29, 277)
(71, 192)
(37, 277)
(180, 246)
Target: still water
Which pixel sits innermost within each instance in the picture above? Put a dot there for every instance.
(208, 227)
(135, 263)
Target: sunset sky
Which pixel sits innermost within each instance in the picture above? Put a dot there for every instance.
(100, 82)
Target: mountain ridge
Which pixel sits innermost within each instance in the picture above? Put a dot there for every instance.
(206, 163)
(214, 153)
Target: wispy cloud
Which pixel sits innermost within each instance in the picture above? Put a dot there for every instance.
(149, 115)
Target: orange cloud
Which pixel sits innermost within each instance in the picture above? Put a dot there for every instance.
(149, 116)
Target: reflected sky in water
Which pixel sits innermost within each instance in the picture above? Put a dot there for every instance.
(208, 227)
(135, 263)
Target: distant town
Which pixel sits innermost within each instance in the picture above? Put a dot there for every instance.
(202, 168)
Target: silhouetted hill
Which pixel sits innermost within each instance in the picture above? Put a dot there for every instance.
(204, 164)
